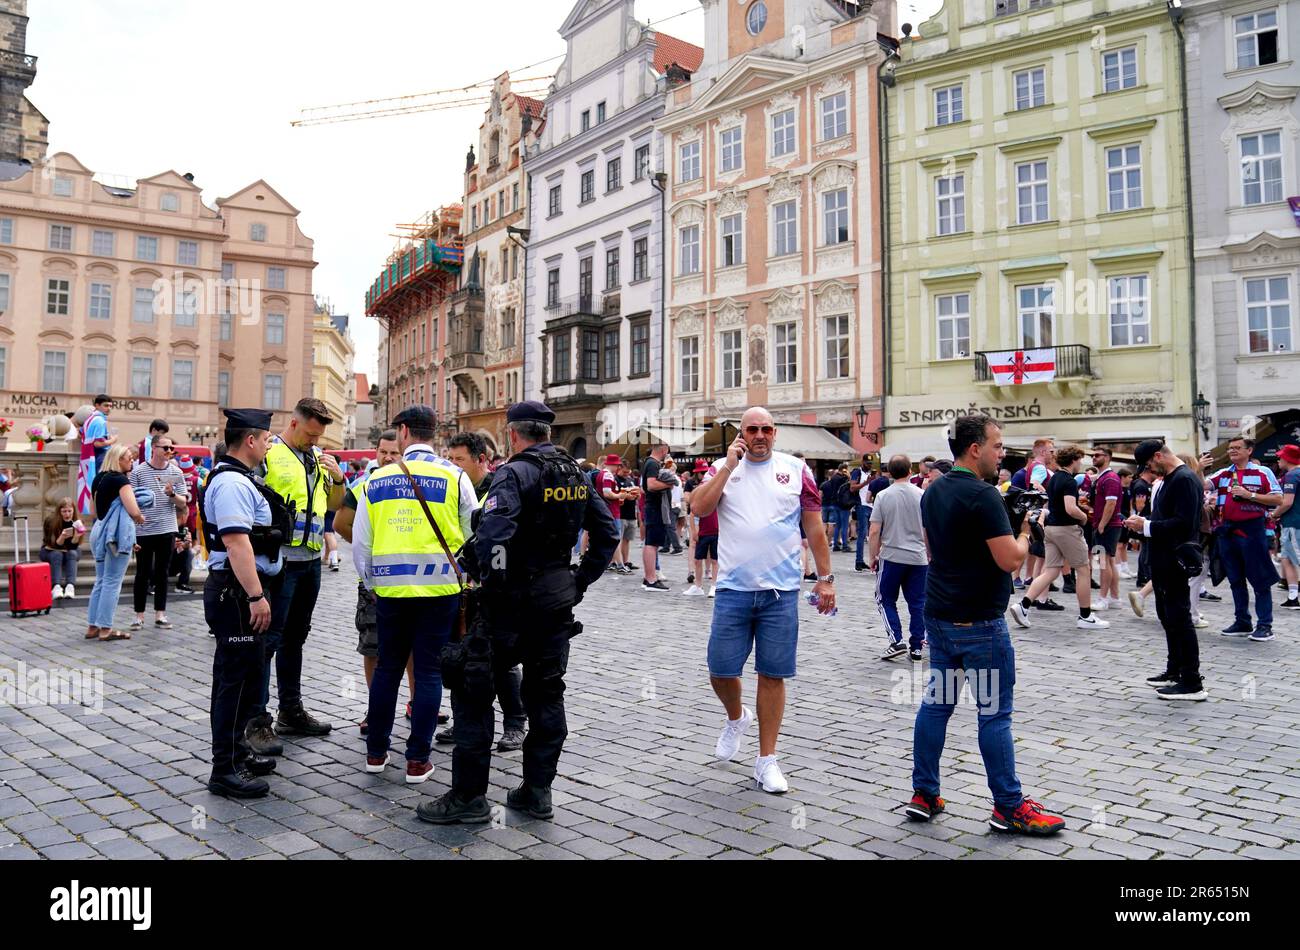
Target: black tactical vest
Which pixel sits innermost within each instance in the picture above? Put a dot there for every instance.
(554, 509)
(266, 539)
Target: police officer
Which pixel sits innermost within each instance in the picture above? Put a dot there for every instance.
(312, 481)
(243, 525)
(530, 520)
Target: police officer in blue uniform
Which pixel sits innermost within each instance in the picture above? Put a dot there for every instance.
(244, 525)
(521, 557)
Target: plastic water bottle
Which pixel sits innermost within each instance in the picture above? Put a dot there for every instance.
(814, 600)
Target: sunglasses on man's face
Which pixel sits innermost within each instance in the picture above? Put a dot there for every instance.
(755, 430)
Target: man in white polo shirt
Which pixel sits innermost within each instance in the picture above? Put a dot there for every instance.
(761, 497)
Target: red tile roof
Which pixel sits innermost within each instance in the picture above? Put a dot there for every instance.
(530, 106)
(363, 388)
(669, 50)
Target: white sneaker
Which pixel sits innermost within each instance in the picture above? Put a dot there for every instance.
(713, 591)
(1137, 602)
(1091, 622)
(732, 733)
(1200, 623)
(1101, 603)
(56, 592)
(69, 590)
(1020, 614)
(768, 775)
(693, 591)
(1124, 571)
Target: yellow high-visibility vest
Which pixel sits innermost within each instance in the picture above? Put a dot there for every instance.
(287, 477)
(406, 558)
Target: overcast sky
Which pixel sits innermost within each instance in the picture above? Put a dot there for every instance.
(136, 87)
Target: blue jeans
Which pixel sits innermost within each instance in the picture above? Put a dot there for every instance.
(1243, 545)
(979, 653)
(840, 518)
(293, 596)
(864, 529)
(910, 578)
(63, 565)
(409, 628)
(765, 621)
(109, 572)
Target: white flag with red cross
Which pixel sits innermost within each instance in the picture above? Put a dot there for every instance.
(1013, 367)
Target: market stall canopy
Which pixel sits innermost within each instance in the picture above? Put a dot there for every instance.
(916, 445)
(813, 442)
(647, 436)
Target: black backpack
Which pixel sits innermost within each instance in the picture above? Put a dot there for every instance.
(846, 497)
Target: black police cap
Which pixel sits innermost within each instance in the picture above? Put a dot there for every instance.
(530, 411)
(417, 417)
(248, 418)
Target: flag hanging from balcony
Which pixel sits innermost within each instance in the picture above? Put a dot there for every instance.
(1013, 367)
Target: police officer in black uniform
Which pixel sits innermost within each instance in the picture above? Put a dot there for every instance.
(529, 524)
(244, 525)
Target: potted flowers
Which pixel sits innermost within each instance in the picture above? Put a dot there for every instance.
(6, 426)
(38, 435)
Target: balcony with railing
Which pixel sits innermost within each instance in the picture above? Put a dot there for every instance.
(1068, 364)
(589, 305)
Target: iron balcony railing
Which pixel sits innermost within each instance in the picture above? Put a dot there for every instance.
(1071, 362)
(597, 305)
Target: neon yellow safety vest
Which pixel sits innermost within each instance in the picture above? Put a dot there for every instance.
(406, 558)
(287, 477)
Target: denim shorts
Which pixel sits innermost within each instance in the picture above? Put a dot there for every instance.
(764, 621)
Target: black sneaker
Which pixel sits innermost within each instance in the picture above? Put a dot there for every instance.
(1096, 585)
(1048, 604)
(1068, 588)
(916, 655)
(658, 585)
(450, 809)
(1189, 692)
(1238, 628)
(238, 785)
(185, 588)
(446, 736)
(531, 799)
(1206, 595)
(690, 578)
(1162, 679)
(1292, 603)
(261, 738)
(512, 740)
(1054, 588)
(1263, 633)
(257, 765)
(895, 649)
(859, 567)
(295, 720)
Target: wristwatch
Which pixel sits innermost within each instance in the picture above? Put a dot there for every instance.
(253, 600)
(826, 578)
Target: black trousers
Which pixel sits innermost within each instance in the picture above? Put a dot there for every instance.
(1144, 563)
(540, 642)
(1174, 608)
(151, 563)
(236, 669)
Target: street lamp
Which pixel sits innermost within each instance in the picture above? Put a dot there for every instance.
(861, 416)
(1201, 412)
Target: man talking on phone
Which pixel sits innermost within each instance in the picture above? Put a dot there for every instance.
(761, 497)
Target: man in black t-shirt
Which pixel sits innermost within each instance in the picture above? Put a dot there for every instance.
(656, 528)
(972, 552)
(1140, 501)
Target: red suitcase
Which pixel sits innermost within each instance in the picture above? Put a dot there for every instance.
(30, 587)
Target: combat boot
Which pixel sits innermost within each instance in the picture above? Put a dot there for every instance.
(257, 764)
(294, 720)
(238, 785)
(533, 799)
(261, 738)
(450, 809)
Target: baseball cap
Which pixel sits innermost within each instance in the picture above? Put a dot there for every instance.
(1145, 449)
(417, 417)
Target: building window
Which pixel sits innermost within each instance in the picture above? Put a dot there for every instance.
(1037, 317)
(58, 297)
(560, 369)
(169, 202)
(187, 253)
(508, 328)
(62, 188)
(514, 197)
(182, 379)
(257, 232)
(640, 259)
(1124, 177)
(6, 230)
(611, 268)
(146, 248)
(756, 17)
(584, 284)
(614, 174)
(1261, 167)
(730, 351)
(4, 291)
(227, 270)
(785, 352)
(835, 214)
(950, 204)
(783, 133)
(103, 243)
(952, 313)
(101, 301)
(1130, 319)
(272, 391)
(1256, 36)
(142, 305)
(733, 245)
(641, 160)
(96, 372)
(553, 206)
(1268, 314)
(690, 161)
(223, 388)
(1119, 69)
(1031, 192)
(1031, 88)
(586, 119)
(689, 242)
(837, 346)
(785, 228)
(275, 278)
(591, 355)
(588, 187)
(732, 157)
(473, 218)
(641, 348)
(227, 327)
(600, 112)
(688, 348)
(835, 116)
(612, 341)
(553, 287)
(60, 237)
(4, 367)
(54, 371)
(1012, 7)
(142, 376)
(948, 105)
(187, 308)
(275, 328)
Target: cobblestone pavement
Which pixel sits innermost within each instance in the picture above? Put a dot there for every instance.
(1135, 777)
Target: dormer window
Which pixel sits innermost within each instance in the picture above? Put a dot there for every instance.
(169, 202)
(62, 187)
(257, 232)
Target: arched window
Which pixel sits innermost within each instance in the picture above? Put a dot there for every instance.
(756, 17)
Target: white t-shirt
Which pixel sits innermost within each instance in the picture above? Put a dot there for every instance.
(758, 521)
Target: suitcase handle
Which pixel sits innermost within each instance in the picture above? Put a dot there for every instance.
(27, 537)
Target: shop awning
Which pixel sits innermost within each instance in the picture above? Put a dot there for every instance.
(813, 442)
(916, 444)
(679, 439)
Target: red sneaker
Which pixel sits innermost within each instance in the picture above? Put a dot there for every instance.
(1028, 819)
(376, 763)
(923, 807)
(417, 772)
(408, 710)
